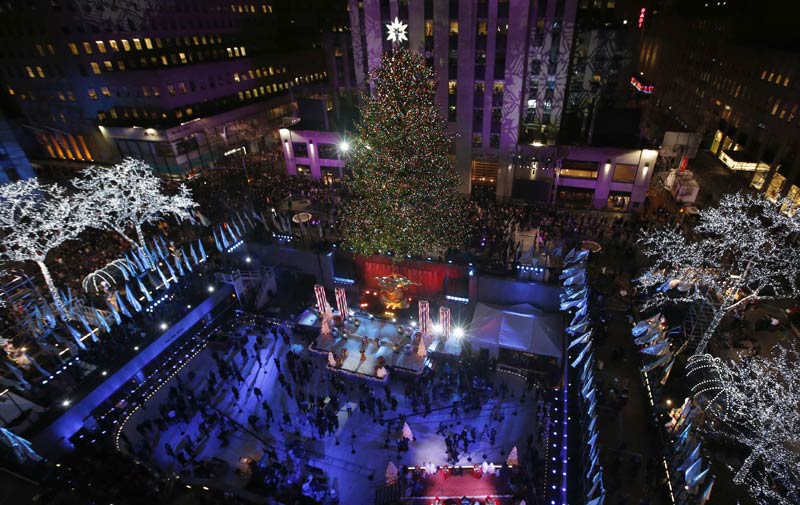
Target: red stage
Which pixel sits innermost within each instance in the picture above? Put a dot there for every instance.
(450, 488)
(430, 275)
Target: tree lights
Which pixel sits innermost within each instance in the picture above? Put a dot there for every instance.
(405, 196)
(740, 251)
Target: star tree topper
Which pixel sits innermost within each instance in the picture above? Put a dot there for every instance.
(397, 31)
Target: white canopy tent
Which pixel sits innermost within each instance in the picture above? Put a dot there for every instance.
(520, 327)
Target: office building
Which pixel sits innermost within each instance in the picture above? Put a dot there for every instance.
(178, 84)
(728, 70)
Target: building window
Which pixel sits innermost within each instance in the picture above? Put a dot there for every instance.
(452, 87)
(92, 94)
(109, 66)
(182, 57)
(624, 172)
(101, 46)
(73, 48)
(477, 140)
(95, 68)
(453, 27)
(137, 44)
(105, 91)
(579, 169)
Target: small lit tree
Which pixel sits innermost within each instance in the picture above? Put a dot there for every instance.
(758, 407)
(36, 218)
(128, 195)
(741, 250)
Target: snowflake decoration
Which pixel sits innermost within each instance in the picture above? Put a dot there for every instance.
(397, 31)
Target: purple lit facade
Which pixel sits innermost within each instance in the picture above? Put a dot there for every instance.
(502, 68)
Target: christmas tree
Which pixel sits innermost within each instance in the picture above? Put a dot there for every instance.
(405, 188)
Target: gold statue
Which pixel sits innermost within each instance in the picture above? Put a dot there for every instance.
(393, 288)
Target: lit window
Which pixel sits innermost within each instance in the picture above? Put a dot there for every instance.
(113, 45)
(271, 71)
(196, 40)
(71, 96)
(51, 49)
(786, 81)
(95, 68)
(137, 44)
(39, 49)
(453, 27)
(145, 91)
(241, 50)
(182, 88)
(121, 65)
(156, 91)
(775, 107)
(164, 60)
(105, 91)
(236, 77)
(10, 91)
(148, 43)
(92, 94)
(30, 72)
(182, 57)
(230, 52)
(39, 71)
(771, 75)
(236, 51)
(61, 96)
(87, 48)
(250, 73)
(203, 38)
(109, 66)
(126, 45)
(451, 88)
(158, 43)
(101, 46)
(241, 96)
(170, 89)
(113, 113)
(188, 111)
(73, 48)
(258, 72)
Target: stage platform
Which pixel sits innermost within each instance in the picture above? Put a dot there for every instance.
(404, 358)
(451, 488)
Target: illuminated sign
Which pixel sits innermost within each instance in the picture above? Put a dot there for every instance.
(641, 16)
(640, 87)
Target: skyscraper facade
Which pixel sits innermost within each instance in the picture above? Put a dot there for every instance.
(730, 71)
(502, 67)
(176, 83)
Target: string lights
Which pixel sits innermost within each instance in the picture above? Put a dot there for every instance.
(404, 185)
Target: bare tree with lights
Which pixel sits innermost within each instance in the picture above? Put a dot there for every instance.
(36, 218)
(756, 404)
(742, 250)
(128, 195)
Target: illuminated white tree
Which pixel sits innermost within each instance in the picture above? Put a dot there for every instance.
(36, 218)
(757, 406)
(128, 195)
(741, 250)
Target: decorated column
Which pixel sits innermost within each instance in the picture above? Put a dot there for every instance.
(322, 300)
(444, 320)
(341, 302)
(424, 317)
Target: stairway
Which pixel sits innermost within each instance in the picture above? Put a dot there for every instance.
(700, 316)
(388, 494)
